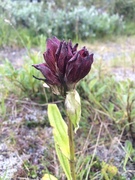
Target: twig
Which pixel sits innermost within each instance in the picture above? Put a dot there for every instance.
(33, 103)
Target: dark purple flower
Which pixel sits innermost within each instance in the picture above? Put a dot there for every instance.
(78, 67)
(64, 66)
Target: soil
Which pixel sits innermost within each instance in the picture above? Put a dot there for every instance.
(25, 136)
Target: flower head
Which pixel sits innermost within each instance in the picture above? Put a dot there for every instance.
(64, 66)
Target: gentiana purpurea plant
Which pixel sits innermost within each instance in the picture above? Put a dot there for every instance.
(63, 68)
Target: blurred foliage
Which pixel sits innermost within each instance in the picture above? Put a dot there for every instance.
(129, 28)
(111, 101)
(20, 80)
(64, 19)
(75, 22)
(130, 153)
(125, 8)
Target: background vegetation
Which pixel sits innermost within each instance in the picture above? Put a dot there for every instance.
(93, 19)
(108, 104)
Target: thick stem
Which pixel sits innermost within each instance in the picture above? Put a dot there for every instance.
(72, 149)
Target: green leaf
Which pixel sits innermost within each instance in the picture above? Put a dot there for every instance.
(111, 107)
(92, 83)
(64, 161)
(133, 113)
(101, 90)
(73, 107)
(60, 132)
(129, 151)
(48, 177)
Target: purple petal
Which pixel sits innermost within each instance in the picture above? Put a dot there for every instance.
(83, 52)
(78, 68)
(57, 54)
(75, 48)
(49, 55)
(85, 67)
(51, 78)
(71, 68)
(56, 40)
(63, 55)
(70, 53)
(50, 59)
(52, 45)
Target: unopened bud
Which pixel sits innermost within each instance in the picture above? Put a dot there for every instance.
(73, 107)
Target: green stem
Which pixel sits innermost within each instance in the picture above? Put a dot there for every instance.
(72, 149)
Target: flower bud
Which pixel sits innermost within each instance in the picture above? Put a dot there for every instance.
(73, 107)
(78, 67)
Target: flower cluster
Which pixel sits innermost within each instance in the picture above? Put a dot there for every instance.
(64, 66)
